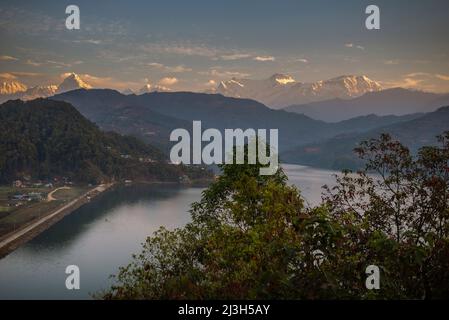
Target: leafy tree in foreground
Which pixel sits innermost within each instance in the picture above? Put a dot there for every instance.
(403, 202)
(251, 236)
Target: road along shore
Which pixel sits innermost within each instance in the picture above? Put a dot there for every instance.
(13, 240)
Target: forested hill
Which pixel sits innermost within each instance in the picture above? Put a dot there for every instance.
(152, 116)
(338, 152)
(44, 138)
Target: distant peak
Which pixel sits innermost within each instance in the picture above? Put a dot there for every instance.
(282, 78)
(281, 89)
(72, 82)
(147, 88)
(128, 91)
(12, 87)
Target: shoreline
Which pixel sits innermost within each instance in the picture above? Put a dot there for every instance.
(12, 241)
(200, 183)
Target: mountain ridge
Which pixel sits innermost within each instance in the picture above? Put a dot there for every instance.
(45, 138)
(10, 90)
(393, 101)
(152, 116)
(281, 90)
(337, 152)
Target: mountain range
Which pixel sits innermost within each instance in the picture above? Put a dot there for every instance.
(282, 90)
(395, 101)
(17, 90)
(337, 152)
(153, 116)
(317, 133)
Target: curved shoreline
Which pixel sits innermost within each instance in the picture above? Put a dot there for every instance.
(13, 240)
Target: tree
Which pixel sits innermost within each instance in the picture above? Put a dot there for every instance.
(402, 203)
(252, 238)
(238, 245)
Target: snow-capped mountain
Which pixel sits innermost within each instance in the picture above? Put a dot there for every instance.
(17, 90)
(72, 82)
(128, 91)
(282, 90)
(39, 91)
(12, 87)
(156, 88)
(145, 89)
(159, 88)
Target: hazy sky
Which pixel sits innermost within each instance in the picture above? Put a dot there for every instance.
(192, 45)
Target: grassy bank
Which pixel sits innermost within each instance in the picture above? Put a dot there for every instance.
(16, 214)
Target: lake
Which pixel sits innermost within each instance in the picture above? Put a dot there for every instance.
(102, 235)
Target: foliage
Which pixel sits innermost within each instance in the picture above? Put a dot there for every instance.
(252, 238)
(44, 139)
(405, 200)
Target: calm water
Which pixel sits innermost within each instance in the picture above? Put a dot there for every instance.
(309, 181)
(101, 236)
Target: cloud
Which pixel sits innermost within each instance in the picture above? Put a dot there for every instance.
(7, 76)
(408, 83)
(172, 69)
(405, 61)
(21, 21)
(191, 51)
(59, 63)
(264, 58)
(442, 77)
(90, 41)
(12, 75)
(36, 22)
(352, 45)
(8, 58)
(411, 83)
(161, 88)
(168, 81)
(55, 64)
(155, 65)
(421, 81)
(95, 79)
(26, 74)
(201, 50)
(391, 62)
(218, 73)
(418, 74)
(177, 69)
(235, 56)
(33, 63)
(179, 49)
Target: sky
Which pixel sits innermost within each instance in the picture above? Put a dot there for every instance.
(193, 45)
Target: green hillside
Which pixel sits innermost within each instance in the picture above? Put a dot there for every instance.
(337, 152)
(42, 139)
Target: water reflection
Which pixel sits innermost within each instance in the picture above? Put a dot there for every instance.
(102, 235)
(309, 181)
(99, 237)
